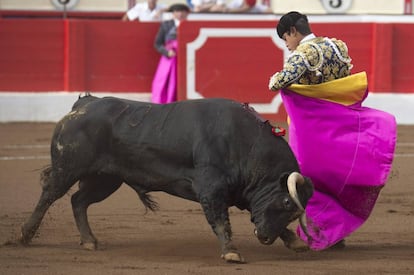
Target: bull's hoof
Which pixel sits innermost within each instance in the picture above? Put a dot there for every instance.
(297, 245)
(89, 246)
(233, 257)
(10, 243)
(338, 246)
(24, 239)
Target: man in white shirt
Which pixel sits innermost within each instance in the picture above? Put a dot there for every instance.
(247, 6)
(233, 6)
(208, 5)
(145, 11)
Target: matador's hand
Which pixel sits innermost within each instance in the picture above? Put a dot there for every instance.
(272, 82)
(171, 53)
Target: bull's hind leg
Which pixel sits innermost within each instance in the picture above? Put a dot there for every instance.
(92, 189)
(54, 187)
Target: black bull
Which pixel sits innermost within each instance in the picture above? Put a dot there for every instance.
(216, 152)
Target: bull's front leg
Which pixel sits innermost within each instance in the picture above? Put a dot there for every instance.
(218, 217)
(292, 241)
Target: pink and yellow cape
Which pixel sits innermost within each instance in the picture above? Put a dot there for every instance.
(345, 148)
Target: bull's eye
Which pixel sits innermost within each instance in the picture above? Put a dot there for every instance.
(287, 203)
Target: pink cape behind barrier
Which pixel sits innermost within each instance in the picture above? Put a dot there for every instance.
(164, 84)
(347, 151)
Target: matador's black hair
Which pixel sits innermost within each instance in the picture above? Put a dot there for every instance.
(293, 19)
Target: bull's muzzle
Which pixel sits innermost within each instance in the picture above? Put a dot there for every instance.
(263, 240)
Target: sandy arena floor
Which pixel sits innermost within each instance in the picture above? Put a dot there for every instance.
(177, 238)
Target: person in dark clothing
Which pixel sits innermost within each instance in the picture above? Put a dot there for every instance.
(164, 84)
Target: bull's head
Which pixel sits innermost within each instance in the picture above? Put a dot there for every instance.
(284, 207)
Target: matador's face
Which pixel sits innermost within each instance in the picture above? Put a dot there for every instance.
(292, 39)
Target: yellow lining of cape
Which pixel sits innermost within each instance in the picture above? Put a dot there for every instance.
(346, 91)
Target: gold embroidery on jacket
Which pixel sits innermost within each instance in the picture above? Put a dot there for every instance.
(313, 62)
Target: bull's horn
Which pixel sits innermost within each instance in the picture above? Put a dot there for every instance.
(303, 225)
(293, 179)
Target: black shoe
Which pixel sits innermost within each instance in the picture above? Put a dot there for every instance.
(339, 245)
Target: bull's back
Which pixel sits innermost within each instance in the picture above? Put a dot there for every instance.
(181, 130)
(167, 124)
(119, 122)
(180, 125)
(157, 143)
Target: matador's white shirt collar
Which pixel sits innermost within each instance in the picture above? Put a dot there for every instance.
(307, 38)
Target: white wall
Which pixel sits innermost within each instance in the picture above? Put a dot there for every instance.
(51, 107)
(47, 107)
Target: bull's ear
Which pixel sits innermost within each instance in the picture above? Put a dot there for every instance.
(283, 179)
(305, 191)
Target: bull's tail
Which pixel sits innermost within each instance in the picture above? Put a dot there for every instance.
(148, 202)
(45, 175)
(146, 199)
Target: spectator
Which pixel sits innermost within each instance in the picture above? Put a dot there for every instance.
(246, 6)
(235, 6)
(164, 84)
(208, 5)
(145, 11)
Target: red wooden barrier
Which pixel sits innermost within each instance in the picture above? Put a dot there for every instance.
(111, 56)
(114, 56)
(31, 55)
(77, 55)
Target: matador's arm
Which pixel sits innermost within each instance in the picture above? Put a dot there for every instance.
(293, 69)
